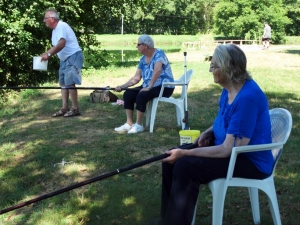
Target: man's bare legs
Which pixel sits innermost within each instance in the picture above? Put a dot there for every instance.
(266, 44)
(74, 98)
(65, 110)
(74, 111)
(65, 98)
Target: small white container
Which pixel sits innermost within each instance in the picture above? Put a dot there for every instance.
(38, 64)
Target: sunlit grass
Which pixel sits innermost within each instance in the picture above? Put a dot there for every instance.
(32, 142)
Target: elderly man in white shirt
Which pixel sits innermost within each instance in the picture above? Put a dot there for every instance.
(66, 46)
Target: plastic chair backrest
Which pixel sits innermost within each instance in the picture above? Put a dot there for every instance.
(281, 124)
(188, 77)
(182, 80)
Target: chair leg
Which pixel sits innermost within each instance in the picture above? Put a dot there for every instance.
(148, 113)
(153, 113)
(178, 116)
(274, 207)
(253, 193)
(218, 193)
(218, 207)
(194, 218)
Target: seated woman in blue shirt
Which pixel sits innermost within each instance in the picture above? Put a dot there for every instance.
(243, 119)
(154, 68)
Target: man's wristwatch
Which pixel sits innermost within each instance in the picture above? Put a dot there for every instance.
(48, 53)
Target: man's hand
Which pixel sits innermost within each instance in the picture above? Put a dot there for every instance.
(45, 56)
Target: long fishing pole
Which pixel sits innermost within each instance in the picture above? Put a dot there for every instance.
(186, 118)
(80, 184)
(83, 88)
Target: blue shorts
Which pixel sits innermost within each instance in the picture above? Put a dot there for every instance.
(70, 69)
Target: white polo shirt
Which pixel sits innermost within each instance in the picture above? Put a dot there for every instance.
(63, 30)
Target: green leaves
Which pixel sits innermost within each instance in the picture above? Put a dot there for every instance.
(23, 35)
(244, 18)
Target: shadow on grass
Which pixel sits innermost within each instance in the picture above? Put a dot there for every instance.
(32, 142)
(295, 52)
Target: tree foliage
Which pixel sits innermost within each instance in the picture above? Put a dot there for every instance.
(245, 19)
(164, 17)
(23, 34)
(293, 13)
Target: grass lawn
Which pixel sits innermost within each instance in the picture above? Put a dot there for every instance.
(32, 142)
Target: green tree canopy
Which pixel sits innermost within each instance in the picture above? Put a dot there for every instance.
(164, 17)
(245, 19)
(293, 13)
(23, 34)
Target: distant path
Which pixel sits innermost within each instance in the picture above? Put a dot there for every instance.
(250, 48)
(199, 55)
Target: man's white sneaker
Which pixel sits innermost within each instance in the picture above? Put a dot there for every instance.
(136, 128)
(124, 128)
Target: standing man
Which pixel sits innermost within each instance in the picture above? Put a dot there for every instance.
(66, 46)
(267, 36)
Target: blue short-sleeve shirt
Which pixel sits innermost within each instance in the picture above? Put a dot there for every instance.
(247, 116)
(147, 69)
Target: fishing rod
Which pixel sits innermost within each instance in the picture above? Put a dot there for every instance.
(97, 178)
(186, 118)
(80, 88)
(80, 184)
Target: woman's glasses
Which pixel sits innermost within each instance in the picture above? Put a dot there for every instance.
(212, 67)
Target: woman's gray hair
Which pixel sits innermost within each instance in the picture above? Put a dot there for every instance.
(146, 39)
(232, 62)
(53, 13)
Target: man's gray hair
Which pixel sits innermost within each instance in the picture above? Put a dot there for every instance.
(53, 13)
(146, 39)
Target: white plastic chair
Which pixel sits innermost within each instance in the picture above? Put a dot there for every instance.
(281, 121)
(179, 102)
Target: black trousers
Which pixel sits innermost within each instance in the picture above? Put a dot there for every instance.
(181, 182)
(141, 98)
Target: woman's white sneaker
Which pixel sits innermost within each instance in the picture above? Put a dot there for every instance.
(136, 128)
(124, 128)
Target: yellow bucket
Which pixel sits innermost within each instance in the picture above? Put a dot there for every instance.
(188, 136)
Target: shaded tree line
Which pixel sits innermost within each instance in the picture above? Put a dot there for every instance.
(163, 17)
(23, 33)
(242, 19)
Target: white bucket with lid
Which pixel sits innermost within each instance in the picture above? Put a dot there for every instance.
(38, 64)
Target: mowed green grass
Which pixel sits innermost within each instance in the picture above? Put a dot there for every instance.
(32, 142)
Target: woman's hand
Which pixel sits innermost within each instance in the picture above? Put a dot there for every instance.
(205, 139)
(146, 89)
(174, 155)
(118, 89)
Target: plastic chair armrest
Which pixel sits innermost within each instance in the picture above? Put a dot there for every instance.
(164, 84)
(172, 83)
(255, 148)
(248, 148)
